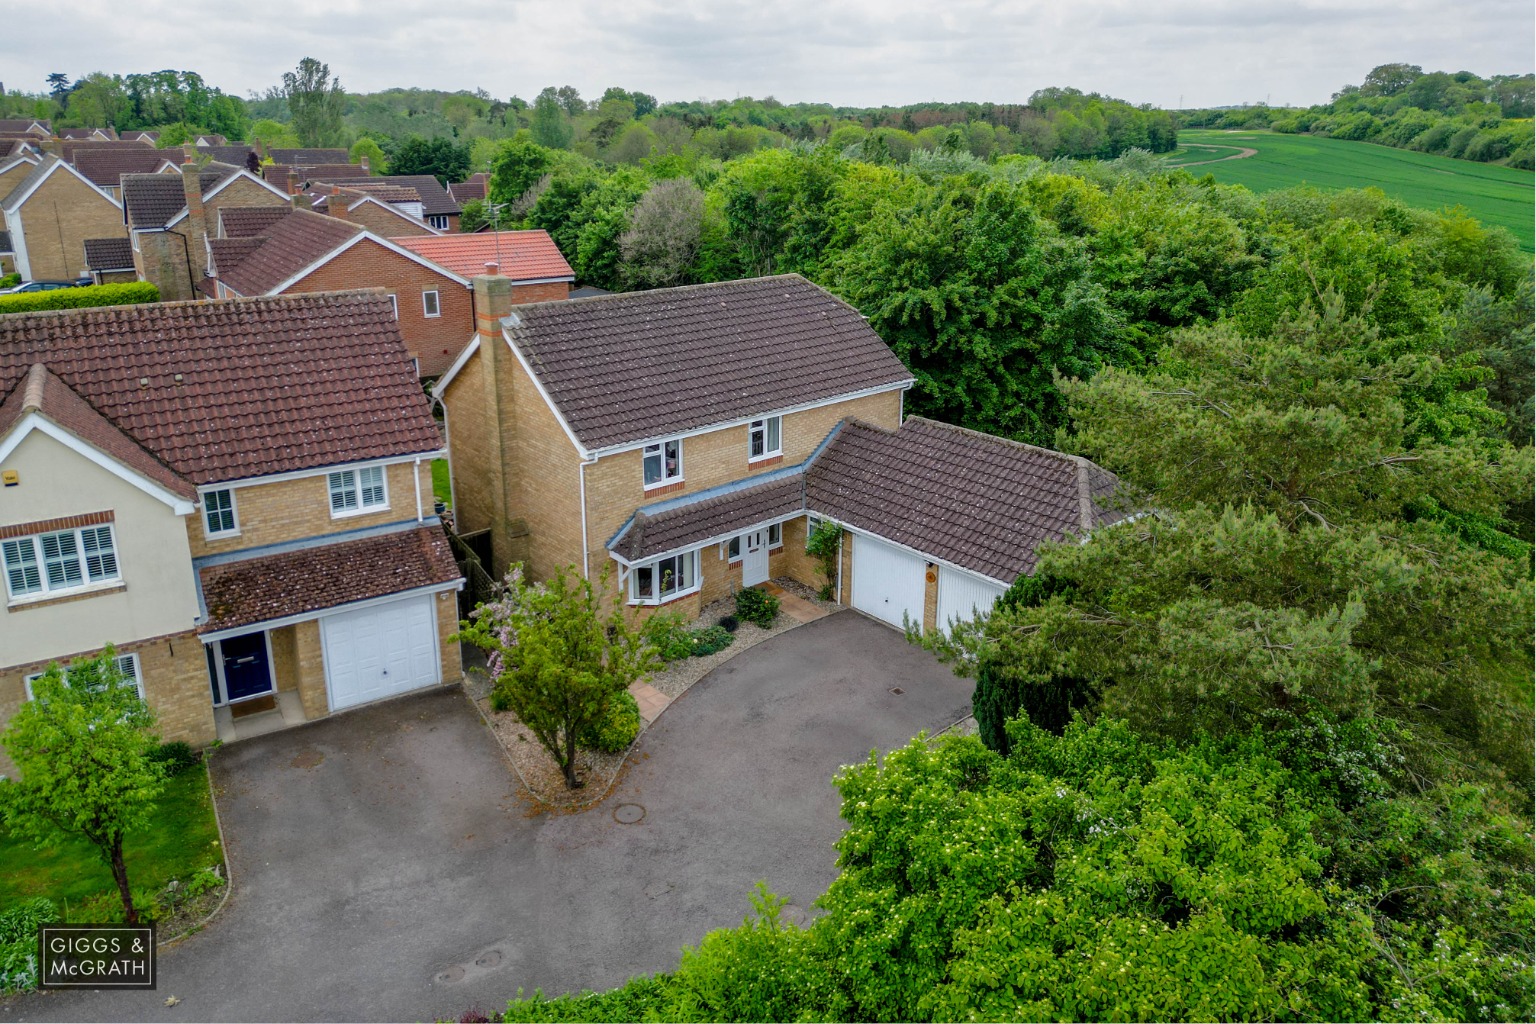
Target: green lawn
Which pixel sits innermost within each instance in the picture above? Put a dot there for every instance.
(1493, 194)
(440, 487)
(184, 840)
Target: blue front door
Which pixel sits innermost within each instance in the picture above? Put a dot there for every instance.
(246, 672)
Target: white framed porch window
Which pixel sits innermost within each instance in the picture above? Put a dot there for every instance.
(665, 579)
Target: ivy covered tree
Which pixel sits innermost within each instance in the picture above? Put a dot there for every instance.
(83, 746)
(556, 660)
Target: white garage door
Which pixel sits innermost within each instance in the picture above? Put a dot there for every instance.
(962, 595)
(378, 652)
(887, 581)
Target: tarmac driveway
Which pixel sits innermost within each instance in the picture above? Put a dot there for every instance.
(389, 867)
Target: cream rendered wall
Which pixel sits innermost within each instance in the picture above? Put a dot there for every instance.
(159, 595)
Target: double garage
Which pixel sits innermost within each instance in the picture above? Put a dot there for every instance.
(892, 584)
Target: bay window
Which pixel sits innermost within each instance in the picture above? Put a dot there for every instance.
(660, 581)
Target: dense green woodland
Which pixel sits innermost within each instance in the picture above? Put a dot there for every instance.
(1262, 749)
(1451, 114)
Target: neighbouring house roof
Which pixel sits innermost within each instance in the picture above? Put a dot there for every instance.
(104, 254)
(435, 200)
(154, 200)
(22, 125)
(277, 174)
(465, 191)
(699, 518)
(247, 221)
(310, 156)
(225, 255)
(38, 174)
(236, 154)
(981, 502)
(588, 291)
(86, 133)
(322, 574)
(269, 385)
(523, 255)
(41, 391)
(106, 167)
(388, 193)
(631, 367)
(289, 245)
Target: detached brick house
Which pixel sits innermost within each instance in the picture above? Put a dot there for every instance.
(529, 259)
(236, 495)
(50, 213)
(282, 251)
(688, 438)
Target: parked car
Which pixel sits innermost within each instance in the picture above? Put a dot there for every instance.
(46, 286)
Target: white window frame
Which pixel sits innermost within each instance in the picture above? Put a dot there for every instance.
(435, 310)
(771, 428)
(659, 451)
(394, 304)
(344, 480)
(234, 515)
(775, 528)
(438, 220)
(732, 556)
(812, 524)
(654, 596)
(127, 664)
(40, 561)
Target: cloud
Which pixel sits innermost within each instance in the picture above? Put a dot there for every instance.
(860, 52)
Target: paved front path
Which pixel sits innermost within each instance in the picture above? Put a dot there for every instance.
(388, 867)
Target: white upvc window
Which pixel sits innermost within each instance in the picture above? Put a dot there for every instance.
(357, 490)
(733, 549)
(65, 560)
(663, 462)
(439, 221)
(812, 524)
(127, 664)
(775, 535)
(430, 305)
(665, 579)
(219, 518)
(763, 440)
(394, 304)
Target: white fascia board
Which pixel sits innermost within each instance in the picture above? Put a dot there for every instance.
(581, 449)
(912, 551)
(14, 201)
(420, 259)
(628, 446)
(321, 613)
(441, 387)
(299, 474)
(40, 423)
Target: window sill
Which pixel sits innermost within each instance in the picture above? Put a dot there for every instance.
(21, 604)
(666, 600)
(370, 510)
(214, 538)
(665, 488)
(766, 460)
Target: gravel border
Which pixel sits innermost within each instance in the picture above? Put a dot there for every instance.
(599, 771)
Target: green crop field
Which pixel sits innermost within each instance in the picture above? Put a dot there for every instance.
(1492, 194)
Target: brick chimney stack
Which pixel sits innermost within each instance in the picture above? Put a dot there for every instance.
(197, 220)
(336, 205)
(493, 302)
(293, 182)
(364, 164)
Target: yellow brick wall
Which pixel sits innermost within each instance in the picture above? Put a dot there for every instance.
(13, 177)
(310, 662)
(175, 673)
(447, 625)
(545, 480)
(386, 223)
(295, 509)
(931, 599)
(285, 657)
(58, 218)
(471, 446)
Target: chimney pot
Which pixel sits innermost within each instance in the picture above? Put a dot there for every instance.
(364, 163)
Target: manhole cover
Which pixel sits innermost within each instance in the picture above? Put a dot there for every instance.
(898, 691)
(490, 959)
(628, 814)
(451, 975)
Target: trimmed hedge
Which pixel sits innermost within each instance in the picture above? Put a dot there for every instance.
(125, 294)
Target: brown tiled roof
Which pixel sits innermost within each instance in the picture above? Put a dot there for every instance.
(625, 368)
(22, 124)
(236, 154)
(435, 200)
(268, 385)
(521, 255)
(41, 391)
(154, 200)
(699, 518)
(106, 167)
(108, 254)
(71, 150)
(291, 244)
(86, 133)
(311, 156)
(981, 502)
(228, 253)
(248, 221)
(277, 174)
(314, 578)
(464, 191)
(386, 193)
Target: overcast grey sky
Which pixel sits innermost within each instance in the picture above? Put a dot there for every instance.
(846, 52)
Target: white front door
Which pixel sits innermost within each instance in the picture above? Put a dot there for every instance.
(378, 652)
(754, 558)
(888, 583)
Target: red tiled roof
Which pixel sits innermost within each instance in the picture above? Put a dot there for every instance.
(313, 578)
(525, 255)
(292, 243)
(268, 385)
(41, 391)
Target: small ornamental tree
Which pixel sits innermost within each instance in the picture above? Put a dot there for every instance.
(825, 545)
(557, 661)
(84, 748)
